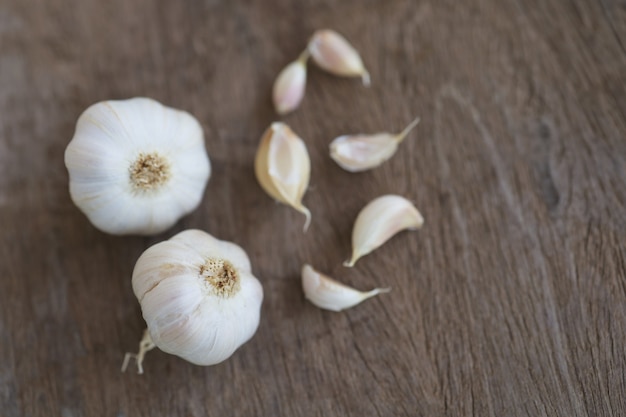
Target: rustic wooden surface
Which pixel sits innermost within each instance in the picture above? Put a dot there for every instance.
(510, 302)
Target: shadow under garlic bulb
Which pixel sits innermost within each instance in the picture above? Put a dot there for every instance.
(198, 297)
(136, 166)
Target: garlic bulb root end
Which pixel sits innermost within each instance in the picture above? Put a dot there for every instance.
(145, 345)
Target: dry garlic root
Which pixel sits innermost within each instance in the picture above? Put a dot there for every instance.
(360, 152)
(136, 166)
(333, 53)
(380, 220)
(283, 167)
(290, 85)
(198, 297)
(326, 293)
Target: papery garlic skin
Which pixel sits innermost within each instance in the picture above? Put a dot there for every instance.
(198, 296)
(379, 220)
(136, 166)
(333, 53)
(361, 152)
(329, 294)
(290, 86)
(283, 167)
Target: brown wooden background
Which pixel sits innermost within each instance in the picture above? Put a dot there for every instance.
(510, 302)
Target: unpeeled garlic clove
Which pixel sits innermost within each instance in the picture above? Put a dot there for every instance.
(379, 220)
(283, 167)
(333, 53)
(360, 152)
(290, 85)
(329, 294)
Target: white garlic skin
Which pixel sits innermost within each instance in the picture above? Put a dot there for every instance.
(136, 166)
(186, 316)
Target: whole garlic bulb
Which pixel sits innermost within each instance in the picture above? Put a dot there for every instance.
(136, 166)
(198, 296)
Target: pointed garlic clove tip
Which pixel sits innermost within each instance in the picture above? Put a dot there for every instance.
(365, 78)
(329, 294)
(350, 262)
(289, 87)
(283, 167)
(400, 136)
(380, 220)
(360, 152)
(333, 53)
(307, 214)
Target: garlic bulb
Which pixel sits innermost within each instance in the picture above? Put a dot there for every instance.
(379, 220)
(333, 53)
(198, 297)
(136, 166)
(283, 167)
(361, 152)
(290, 85)
(326, 293)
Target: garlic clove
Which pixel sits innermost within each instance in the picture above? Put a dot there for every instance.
(329, 294)
(379, 220)
(333, 53)
(360, 152)
(290, 85)
(283, 167)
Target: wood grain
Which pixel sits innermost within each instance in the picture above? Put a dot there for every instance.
(510, 302)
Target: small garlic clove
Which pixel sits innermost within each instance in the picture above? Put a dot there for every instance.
(283, 167)
(360, 152)
(329, 294)
(333, 53)
(290, 85)
(379, 220)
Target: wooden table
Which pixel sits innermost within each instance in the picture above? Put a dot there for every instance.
(511, 301)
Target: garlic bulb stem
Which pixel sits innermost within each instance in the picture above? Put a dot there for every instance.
(145, 345)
